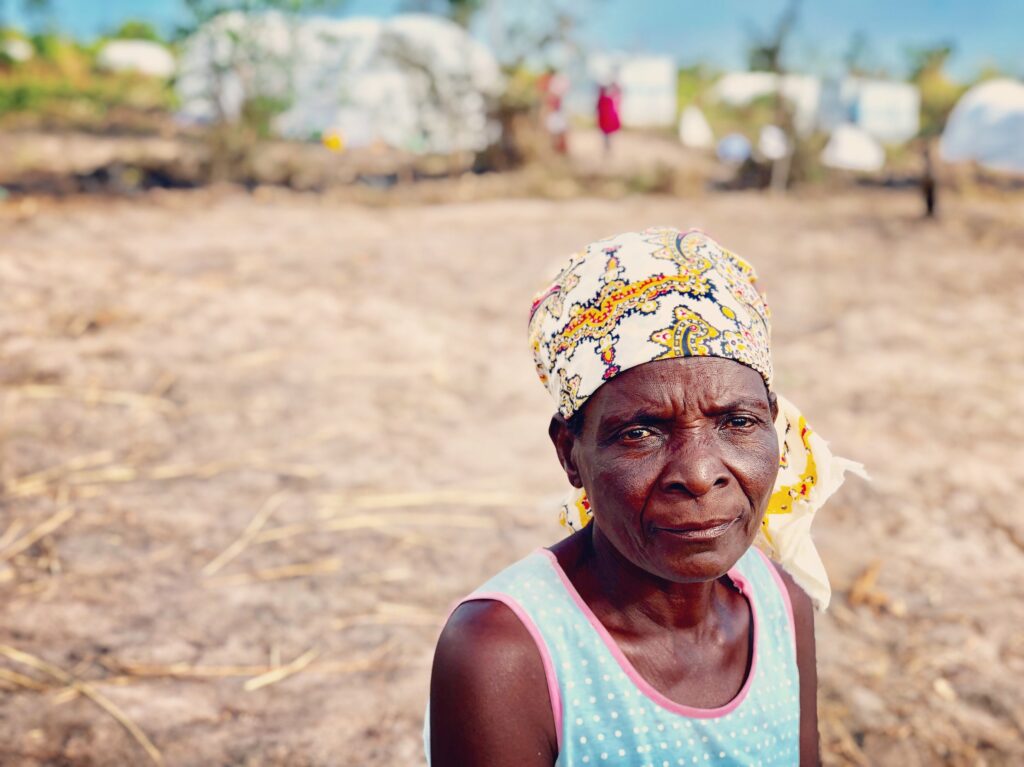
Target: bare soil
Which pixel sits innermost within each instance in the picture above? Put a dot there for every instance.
(253, 446)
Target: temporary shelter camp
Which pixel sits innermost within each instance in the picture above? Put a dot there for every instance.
(418, 82)
(987, 126)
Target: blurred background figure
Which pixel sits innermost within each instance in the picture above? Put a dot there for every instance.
(928, 180)
(554, 86)
(608, 98)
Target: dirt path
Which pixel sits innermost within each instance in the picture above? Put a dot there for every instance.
(277, 431)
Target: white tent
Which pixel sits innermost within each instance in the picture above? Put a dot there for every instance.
(987, 126)
(694, 130)
(16, 49)
(853, 148)
(144, 57)
(416, 81)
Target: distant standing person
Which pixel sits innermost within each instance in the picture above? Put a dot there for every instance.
(928, 181)
(608, 97)
(554, 86)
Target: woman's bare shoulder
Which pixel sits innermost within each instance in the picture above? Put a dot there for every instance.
(489, 699)
(803, 608)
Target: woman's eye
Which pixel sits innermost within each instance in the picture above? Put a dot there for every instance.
(634, 435)
(740, 421)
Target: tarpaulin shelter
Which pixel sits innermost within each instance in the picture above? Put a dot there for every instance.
(143, 57)
(853, 148)
(987, 126)
(416, 81)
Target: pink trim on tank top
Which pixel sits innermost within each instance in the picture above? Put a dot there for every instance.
(785, 592)
(642, 684)
(554, 695)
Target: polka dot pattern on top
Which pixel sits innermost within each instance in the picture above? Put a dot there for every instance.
(610, 715)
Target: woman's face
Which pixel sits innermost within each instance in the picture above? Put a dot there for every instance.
(678, 458)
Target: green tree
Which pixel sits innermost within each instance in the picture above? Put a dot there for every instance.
(939, 93)
(137, 30)
(766, 51)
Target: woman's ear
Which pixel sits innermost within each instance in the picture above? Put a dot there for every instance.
(563, 439)
(773, 405)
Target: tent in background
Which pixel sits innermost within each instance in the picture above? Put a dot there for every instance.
(886, 109)
(853, 148)
(987, 126)
(694, 130)
(143, 57)
(772, 143)
(416, 82)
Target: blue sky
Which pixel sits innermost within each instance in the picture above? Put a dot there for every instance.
(984, 31)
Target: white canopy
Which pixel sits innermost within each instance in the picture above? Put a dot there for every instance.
(987, 126)
(853, 148)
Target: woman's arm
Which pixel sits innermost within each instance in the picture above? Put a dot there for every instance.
(803, 621)
(489, 704)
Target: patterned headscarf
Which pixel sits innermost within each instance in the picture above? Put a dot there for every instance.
(658, 294)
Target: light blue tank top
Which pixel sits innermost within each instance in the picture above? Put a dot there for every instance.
(606, 714)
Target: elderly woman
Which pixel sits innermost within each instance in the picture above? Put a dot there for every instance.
(659, 632)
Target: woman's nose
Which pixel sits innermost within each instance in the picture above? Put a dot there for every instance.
(694, 467)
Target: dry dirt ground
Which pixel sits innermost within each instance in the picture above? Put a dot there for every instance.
(253, 446)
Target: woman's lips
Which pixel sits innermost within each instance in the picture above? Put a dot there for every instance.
(703, 532)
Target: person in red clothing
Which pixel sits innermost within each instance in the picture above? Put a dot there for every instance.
(608, 97)
(553, 87)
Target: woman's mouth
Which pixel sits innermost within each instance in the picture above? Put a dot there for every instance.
(702, 532)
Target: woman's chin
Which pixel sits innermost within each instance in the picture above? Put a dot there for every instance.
(684, 560)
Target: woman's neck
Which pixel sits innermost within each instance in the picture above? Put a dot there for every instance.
(628, 598)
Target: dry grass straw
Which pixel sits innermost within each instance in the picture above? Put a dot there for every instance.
(41, 530)
(283, 572)
(334, 510)
(390, 614)
(259, 675)
(282, 672)
(20, 680)
(62, 676)
(93, 395)
(334, 504)
(13, 531)
(377, 522)
(266, 510)
(88, 471)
